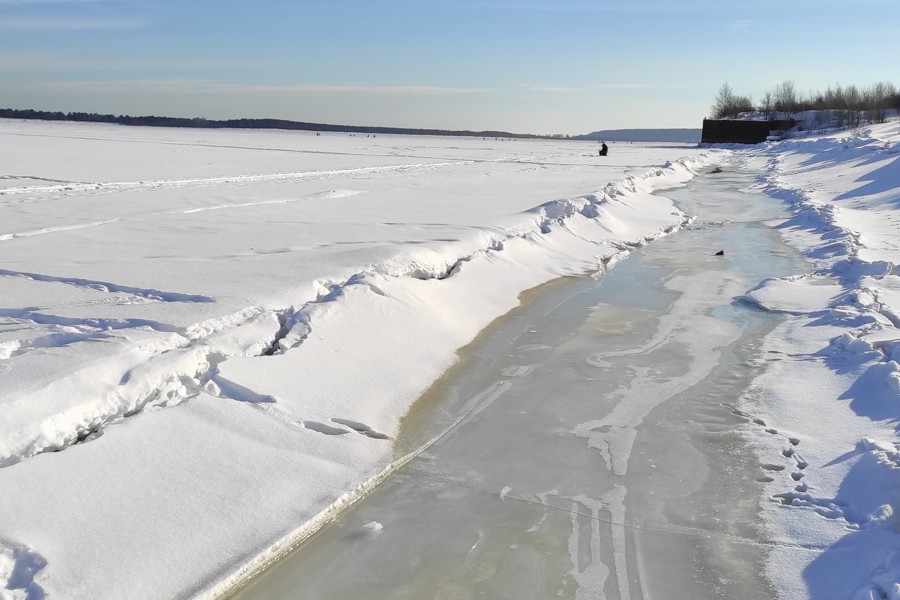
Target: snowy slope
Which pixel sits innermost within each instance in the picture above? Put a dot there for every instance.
(830, 399)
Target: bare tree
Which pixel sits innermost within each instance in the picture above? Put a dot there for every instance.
(729, 104)
(743, 104)
(724, 101)
(767, 105)
(853, 100)
(879, 97)
(786, 97)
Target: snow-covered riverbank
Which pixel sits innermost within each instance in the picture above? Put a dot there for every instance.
(830, 399)
(209, 338)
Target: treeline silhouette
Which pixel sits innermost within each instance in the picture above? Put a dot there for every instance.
(837, 106)
(154, 121)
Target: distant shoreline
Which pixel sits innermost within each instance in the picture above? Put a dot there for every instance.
(202, 123)
(683, 135)
(613, 135)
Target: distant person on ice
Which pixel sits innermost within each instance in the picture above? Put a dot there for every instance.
(604, 149)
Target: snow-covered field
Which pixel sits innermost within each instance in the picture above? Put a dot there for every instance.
(208, 338)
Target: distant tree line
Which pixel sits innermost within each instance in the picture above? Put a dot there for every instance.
(154, 121)
(839, 106)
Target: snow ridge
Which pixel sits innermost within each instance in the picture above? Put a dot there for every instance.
(184, 362)
(845, 317)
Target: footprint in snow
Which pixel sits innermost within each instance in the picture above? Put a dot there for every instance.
(771, 467)
(361, 428)
(323, 428)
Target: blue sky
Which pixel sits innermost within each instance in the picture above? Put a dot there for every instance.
(530, 66)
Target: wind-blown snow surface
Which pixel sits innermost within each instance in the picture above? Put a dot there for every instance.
(208, 338)
(827, 408)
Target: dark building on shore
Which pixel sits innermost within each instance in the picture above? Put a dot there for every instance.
(740, 131)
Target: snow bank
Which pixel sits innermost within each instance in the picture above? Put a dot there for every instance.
(830, 398)
(211, 336)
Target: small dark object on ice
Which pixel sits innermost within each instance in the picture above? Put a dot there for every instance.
(716, 170)
(720, 253)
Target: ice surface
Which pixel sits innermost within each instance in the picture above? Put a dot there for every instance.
(518, 498)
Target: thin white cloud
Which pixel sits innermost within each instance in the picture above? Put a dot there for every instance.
(740, 24)
(39, 62)
(555, 89)
(560, 7)
(405, 90)
(181, 87)
(71, 24)
(569, 89)
(44, 2)
(593, 88)
(627, 86)
(655, 7)
(21, 62)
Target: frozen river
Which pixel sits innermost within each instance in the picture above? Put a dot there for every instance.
(589, 444)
